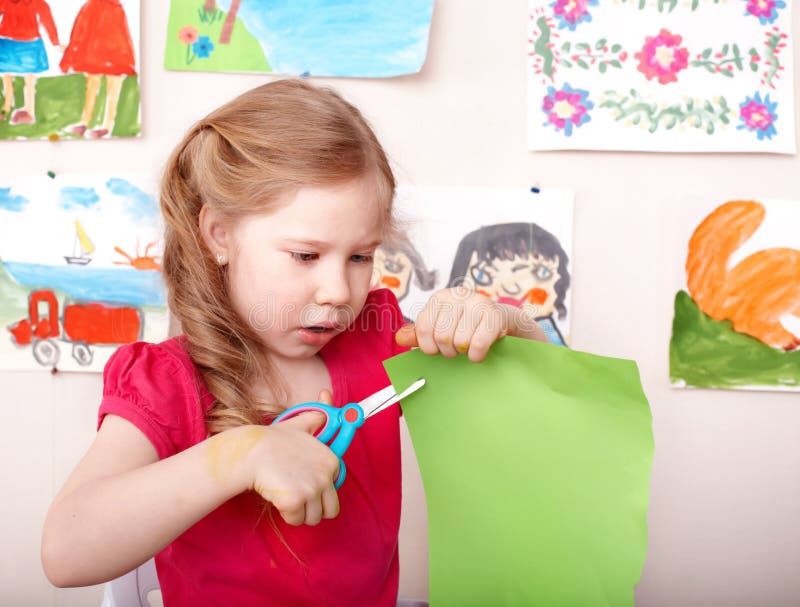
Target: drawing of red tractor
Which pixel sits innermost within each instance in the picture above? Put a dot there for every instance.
(83, 324)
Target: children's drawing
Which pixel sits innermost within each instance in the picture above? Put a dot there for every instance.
(660, 75)
(520, 264)
(350, 38)
(396, 262)
(85, 88)
(737, 323)
(22, 53)
(508, 244)
(69, 290)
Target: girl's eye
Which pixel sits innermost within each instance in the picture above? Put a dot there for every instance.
(361, 258)
(480, 276)
(303, 257)
(542, 272)
(395, 267)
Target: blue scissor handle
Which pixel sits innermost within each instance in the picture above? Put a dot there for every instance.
(340, 423)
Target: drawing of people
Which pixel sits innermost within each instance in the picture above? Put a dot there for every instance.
(520, 264)
(22, 52)
(394, 263)
(100, 45)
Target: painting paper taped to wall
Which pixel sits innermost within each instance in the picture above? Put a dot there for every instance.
(351, 38)
(510, 244)
(70, 69)
(737, 315)
(79, 269)
(661, 75)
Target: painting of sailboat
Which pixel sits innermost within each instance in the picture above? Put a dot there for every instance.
(81, 248)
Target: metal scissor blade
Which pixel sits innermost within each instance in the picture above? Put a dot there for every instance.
(385, 398)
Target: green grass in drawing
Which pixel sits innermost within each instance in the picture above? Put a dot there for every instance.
(635, 110)
(59, 102)
(707, 353)
(194, 33)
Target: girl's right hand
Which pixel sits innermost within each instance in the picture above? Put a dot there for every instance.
(294, 471)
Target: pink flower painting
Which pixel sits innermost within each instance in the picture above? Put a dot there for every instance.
(663, 57)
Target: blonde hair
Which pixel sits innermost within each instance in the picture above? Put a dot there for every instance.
(240, 159)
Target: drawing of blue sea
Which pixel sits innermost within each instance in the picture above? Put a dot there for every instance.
(358, 38)
(105, 285)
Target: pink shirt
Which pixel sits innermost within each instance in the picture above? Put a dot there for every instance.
(234, 556)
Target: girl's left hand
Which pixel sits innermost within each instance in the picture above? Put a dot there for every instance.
(460, 321)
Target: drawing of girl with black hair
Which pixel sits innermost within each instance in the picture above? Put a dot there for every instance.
(395, 262)
(520, 264)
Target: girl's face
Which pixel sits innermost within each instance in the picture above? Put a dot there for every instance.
(300, 275)
(529, 280)
(393, 271)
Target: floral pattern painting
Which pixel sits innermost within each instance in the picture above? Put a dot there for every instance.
(660, 75)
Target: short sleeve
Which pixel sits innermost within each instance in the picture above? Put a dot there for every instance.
(154, 390)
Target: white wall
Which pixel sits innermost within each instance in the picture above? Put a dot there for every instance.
(725, 508)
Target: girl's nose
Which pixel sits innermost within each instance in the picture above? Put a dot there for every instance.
(333, 288)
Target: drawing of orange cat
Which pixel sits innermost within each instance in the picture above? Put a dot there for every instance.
(757, 291)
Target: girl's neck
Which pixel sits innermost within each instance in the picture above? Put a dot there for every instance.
(302, 378)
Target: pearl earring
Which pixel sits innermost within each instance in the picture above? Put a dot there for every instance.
(220, 259)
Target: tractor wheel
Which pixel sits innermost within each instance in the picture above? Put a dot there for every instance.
(82, 354)
(46, 352)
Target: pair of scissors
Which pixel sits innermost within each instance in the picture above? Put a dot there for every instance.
(341, 423)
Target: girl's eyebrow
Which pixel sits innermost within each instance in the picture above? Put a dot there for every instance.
(306, 241)
(321, 244)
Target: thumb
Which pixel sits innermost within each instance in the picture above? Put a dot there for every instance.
(325, 397)
(406, 336)
(308, 421)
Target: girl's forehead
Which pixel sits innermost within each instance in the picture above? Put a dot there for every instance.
(349, 211)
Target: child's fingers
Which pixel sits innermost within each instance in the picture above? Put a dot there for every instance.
(330, 503)
(294, 516)
(426, 327)
(463, 334)
(308, 421)
(444, 333)
(406, 336)
(313, 511)
(489, 330)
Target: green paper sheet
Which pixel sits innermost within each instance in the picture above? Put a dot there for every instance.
(536, 466)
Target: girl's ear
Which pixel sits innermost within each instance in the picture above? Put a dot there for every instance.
(215, 232)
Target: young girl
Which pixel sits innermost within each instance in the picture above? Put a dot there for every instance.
(274, 206)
